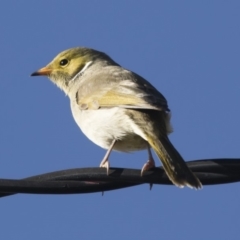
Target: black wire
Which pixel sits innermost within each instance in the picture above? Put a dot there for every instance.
(89, 180)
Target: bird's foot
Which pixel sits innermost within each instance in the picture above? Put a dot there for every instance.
(148, 165)
(105, 164)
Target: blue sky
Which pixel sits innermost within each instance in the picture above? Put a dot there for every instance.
(189, 50)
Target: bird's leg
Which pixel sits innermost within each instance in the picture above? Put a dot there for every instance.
(150, 163)
(105, 163)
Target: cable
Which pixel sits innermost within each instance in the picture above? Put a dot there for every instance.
(89, 180)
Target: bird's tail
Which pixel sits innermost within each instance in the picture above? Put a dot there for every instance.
(173, 164)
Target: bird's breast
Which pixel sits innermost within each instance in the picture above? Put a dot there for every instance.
(104, 125)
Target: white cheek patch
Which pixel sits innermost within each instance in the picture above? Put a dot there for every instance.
(81, 72)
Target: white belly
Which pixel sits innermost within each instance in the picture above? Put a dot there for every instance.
(102, 126)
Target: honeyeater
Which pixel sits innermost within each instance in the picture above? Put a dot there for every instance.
(117, 109)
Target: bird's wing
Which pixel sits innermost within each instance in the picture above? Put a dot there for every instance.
(117, 87)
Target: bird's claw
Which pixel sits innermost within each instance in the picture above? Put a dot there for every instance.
(147, 166)
(105, 164)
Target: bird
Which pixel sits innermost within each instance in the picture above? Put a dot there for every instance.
(118, 109)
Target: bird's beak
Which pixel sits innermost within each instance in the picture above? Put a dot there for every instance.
(45, 71)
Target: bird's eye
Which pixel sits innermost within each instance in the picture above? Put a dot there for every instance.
(63, 62)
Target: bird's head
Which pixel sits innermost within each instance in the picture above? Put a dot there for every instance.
(70, 64)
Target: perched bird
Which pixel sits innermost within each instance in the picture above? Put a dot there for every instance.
(118, 109)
